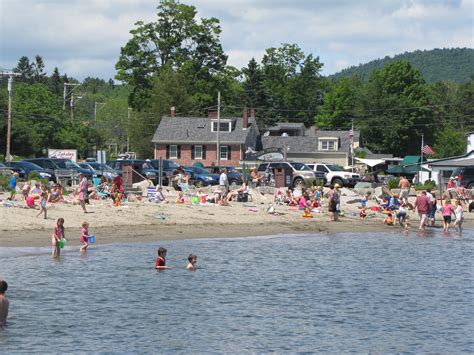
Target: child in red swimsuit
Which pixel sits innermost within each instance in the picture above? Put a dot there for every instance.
(161, 259)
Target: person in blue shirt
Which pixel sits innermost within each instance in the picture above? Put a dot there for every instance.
(12, 185)
(394, 202)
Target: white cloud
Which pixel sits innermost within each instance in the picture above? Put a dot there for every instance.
(83, 37)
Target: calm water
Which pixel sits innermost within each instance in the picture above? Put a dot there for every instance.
(349, 292)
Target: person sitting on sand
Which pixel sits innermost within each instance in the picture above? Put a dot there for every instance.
(180, 198)
(25, 191)
(364, 200)
(159, 196)
(36, 191)
(56, 194)
(160, 263)
(192, 259)
(255, 178)
(394, 202)
(236, 192)
(389, 219)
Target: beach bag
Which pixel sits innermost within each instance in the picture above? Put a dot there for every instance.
(242, 197)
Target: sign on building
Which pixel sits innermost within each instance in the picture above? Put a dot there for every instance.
(63, 154)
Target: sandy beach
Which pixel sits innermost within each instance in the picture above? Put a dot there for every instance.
(145, 221)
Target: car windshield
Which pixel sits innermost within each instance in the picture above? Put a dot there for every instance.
(68, 164)
(2, 165)
(29, 165)
(300, 166)
(198, 170)
(335, 167)
(457, 172)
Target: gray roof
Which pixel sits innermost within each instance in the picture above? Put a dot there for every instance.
(308, 144)
(464, 162)
(286, 125)
(198, 130)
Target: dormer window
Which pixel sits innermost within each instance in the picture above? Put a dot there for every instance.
(328, 143)
(226, 125)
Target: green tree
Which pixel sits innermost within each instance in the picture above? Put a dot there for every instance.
(38, 70)
(25, 69)
(449, 142)
(253, 85)
(55, 82)
(396, 104)
(174, 39)
(341, 104)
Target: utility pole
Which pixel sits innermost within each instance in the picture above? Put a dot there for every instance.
(218, 128)
(96, 104)
(72, 105)
(10, 75)
(128, 126)
(65, 93)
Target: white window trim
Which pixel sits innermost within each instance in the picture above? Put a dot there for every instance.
(327, 140)
(213, 129)
(176, 150)
(224, 147)
(196, 157)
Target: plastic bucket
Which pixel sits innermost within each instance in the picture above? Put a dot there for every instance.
(91, 239)
(203, 199)
(194, 200)
(62, 243)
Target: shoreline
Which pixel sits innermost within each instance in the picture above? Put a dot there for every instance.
(163, 233)
(149, 222)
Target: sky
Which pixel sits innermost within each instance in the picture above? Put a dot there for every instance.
(83, 37)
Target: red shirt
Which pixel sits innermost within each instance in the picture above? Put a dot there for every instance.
(160, 261)
(423, 204)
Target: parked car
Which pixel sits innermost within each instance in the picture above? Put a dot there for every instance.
(143, 167)
(100, 169)
(169, 169)
(233, 176)
(465, 175)
(335, 174)
(56, 164)
(301, 173)
(4, 170)
(202, 177)
(25, 168)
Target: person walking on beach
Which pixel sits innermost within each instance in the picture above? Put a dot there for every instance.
(4, 304)
(12, 185)
(160, 263)
(58, 234)
(224, 181)
(404, 185)
(42, 205)
(84, 237)
(82, 191)
(422, 204)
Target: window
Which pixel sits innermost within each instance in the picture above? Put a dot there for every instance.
(225, 126)
(198, 152)
(224, 152)
(173, 152)
(328, 144)
(322, 168)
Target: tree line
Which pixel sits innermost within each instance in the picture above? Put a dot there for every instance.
(178, 60)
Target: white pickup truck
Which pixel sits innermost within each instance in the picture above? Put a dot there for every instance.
(335, 174)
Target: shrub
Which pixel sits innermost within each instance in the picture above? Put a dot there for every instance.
(393, 183)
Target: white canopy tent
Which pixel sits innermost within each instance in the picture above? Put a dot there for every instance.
(370, 162)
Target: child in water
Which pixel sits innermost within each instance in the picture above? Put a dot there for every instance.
(160, 263)
(192, 259)
(58, 234)
(84, 237)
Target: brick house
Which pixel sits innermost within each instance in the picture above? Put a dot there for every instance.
(188, 140)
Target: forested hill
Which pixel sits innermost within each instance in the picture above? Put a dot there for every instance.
(455, 64)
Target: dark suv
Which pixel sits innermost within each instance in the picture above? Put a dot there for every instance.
(465, 175)
(56, 164)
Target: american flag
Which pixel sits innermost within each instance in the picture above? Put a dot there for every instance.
(426, 149)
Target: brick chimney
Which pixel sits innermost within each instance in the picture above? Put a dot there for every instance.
(173, 112)
(245, 120)
(212, 114)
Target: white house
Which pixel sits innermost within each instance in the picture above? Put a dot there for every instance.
(470, 141)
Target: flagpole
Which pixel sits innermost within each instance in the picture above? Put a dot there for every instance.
(421, 162)
(352, 146)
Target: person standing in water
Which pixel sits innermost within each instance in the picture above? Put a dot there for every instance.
(4, 304)
(160, 263)
(192, 259)
(58, 234)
